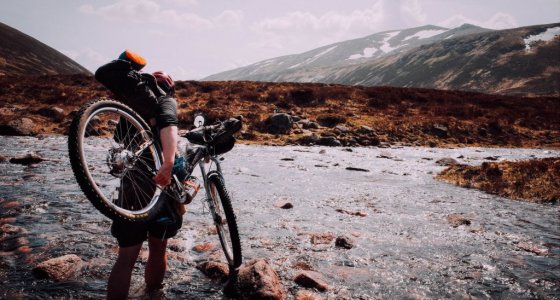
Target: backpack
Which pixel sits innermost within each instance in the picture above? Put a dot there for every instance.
(137, 90)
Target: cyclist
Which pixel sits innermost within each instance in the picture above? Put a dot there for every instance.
(156, 104)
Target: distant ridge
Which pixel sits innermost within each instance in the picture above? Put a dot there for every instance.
(519, 61)
(21, 54)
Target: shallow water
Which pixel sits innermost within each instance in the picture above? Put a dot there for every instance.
(395, 213)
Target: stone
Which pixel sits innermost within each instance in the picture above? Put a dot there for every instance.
(27, 159)
(447, 161)
(279, 123)
(287, 205)
(55, 113)
(311, 279)
(440, 131)
(365, 129)
(309, 139)
(255, 280)
(344, 242)
(19, 127)
(214, 270)
(321, 238)
(60, 268)
(457, 220)
(330, 141)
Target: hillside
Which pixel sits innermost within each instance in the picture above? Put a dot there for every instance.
(21, 54)
(520, 61)
(323, 114)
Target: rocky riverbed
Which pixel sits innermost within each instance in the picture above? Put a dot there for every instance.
(365, 222)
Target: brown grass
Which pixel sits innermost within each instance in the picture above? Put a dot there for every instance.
(536, 180)
(397, 115)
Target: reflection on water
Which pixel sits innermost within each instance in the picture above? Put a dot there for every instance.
(395, 215)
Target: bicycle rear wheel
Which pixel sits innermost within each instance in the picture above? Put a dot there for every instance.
(114, 157)
(225, 220)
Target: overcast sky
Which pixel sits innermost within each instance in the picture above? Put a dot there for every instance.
(191, 39)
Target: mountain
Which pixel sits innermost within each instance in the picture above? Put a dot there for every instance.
(21, 54)
(515, 61)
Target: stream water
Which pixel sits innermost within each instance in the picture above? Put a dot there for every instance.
(391, 208)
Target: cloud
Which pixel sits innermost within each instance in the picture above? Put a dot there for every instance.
(356, 21)
(412, 10)
(151, 12)
(497, 21)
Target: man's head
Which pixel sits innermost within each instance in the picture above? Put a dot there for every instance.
(165, 82)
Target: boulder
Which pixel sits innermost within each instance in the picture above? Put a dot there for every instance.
(330, 141)
(279, 123)
(255, 280)
(344, 242)
(59, 268)
(311, 279)
(446, 161)
(27, 159)
(55, 113)
(440, 131)
(19, 127)
(214, 270)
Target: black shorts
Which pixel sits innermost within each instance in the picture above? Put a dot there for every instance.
(164, 226)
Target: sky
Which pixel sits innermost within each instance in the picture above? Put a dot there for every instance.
(192, 39)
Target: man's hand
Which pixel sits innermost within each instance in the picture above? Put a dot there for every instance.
(163, 176)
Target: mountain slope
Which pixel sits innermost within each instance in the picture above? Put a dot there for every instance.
(351, 52)
(515, 61)
(21, 54)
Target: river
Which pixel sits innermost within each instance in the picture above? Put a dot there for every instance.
(384, 200)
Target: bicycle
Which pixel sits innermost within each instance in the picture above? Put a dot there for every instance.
(114, 155)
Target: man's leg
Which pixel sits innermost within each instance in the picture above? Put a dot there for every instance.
(119, 280)
(157, 263)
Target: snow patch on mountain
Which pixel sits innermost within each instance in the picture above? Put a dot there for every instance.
(314, 58)
(424, 34)
(368, 52)
(386, 47)
(546, 36)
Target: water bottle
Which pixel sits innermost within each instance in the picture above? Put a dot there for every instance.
(179, 168)
(191, 186)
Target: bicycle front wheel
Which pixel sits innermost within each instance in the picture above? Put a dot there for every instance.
(114, 157)
(224, 218)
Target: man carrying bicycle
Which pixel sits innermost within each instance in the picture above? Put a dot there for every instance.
(151, 95)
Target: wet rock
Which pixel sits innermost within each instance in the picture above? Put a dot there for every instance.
(27, 159)
(176, 245)
(59, 268)
(308, 295)
(287, 205)
(458, 220)
(321, 238)
(255, 280)
(55, 113)
(205, 247)
(352, 213)
(330, 141)
(279, 123)
(344, 242)
(311, 279)
(447, 161)
(537, 249)
(214, 270)
(19, 127)
(356, 169)
(10, 204)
